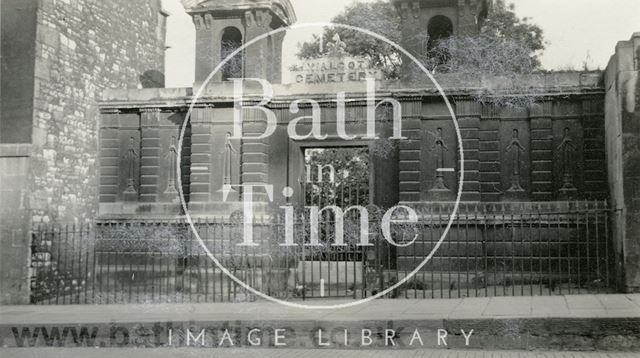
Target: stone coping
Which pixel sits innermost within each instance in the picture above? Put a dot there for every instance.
(282, 8)
(555, 83)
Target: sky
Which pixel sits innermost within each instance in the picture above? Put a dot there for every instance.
(576, 31)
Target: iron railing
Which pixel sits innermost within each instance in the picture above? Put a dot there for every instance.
(490, 250)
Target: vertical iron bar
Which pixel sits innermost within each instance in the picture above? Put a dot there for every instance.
(606, 243)
(495, 267)
(108, 250)
(540, 256)
(442, 263)
(597, 229)
(86, 263)
(75, 253)
(560, 245)
(131, 255)
(587, 227)
(512, 249)
(433, 237)
(213, 238)
(550, 273)
(467, 249)
(203, 256)
(578, 247)
(569, 253)
(64, 272)
(477, 258)
(521, 224)
(531, 252)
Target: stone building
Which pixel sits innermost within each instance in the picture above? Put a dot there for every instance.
(566, 155)
(58, 57)
(549, 155)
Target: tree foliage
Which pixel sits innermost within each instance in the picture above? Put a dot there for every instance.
(503, 23)
(380, 17)
(502, 29)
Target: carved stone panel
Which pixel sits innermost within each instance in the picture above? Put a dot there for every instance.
(169, 141)
(225, 156)
(129, 165)
(438, 161)
(515, 159)
(568, 160)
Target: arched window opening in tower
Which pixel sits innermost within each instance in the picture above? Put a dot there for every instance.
(440, 27)
(231, 41)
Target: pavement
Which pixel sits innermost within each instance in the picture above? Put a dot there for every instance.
(568, 306)
(547, 323)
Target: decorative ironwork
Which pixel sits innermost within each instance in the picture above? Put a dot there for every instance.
(517, 148)
(568, 248)
(131, 157)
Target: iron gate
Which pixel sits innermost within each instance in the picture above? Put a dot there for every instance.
(335, 177)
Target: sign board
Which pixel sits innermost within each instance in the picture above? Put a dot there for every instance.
(335, 66)
(334, 69)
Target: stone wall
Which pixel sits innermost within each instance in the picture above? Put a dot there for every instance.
(58, 58)
(14, 223)
(18, 17)
(623, 155)
(83, 47)
(559, 144)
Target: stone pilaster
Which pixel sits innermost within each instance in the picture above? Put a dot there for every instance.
(149, 154)
(490, 154)
(109, 155)
(412, 31)
(258, 59)
(201, 170)
(595, 175)
(255, 153)
(469, 123)
(542, 152)
(207, 50)
(409, 155)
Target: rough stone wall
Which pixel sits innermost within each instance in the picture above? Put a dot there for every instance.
(14, 223)
(623, 155)
(82, 48)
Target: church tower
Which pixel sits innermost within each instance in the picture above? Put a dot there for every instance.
(437, 19)
(222, 26)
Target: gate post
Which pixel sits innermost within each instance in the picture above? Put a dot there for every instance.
(622, 123)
